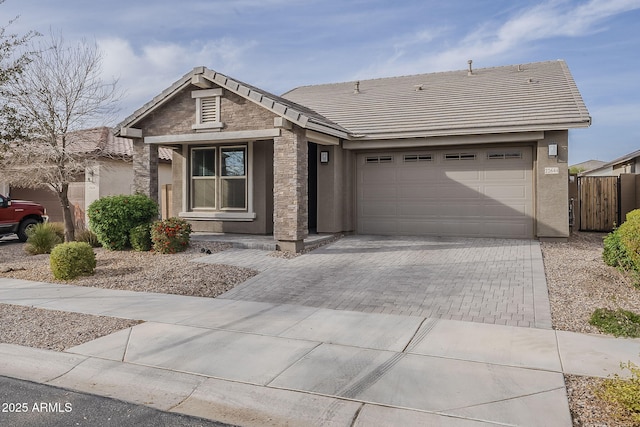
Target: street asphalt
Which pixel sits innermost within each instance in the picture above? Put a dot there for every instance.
(27, 404)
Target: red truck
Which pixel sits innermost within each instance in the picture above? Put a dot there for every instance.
(16, 216)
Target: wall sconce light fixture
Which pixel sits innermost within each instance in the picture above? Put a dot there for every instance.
(324, 157)
(553, 150)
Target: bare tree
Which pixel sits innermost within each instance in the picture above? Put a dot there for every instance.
(59, 92)
(12, 63)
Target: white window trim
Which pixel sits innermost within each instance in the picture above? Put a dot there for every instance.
(245, 177)
(211, 215)
(207, 93)
(214, 178)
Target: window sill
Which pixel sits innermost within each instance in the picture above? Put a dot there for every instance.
(218, 216)
(209, 125)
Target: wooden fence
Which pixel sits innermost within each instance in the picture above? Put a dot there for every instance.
(599, 198)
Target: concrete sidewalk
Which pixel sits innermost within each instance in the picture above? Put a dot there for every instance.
(255, 363)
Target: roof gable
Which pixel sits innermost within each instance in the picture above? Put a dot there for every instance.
(529, 97)
(293, 112)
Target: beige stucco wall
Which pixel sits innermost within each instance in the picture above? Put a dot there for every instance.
(551, 189)
(335, 191)
(115, 177)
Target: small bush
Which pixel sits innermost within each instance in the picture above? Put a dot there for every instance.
(621, 323)
(140, 237)
(624, 393)
(622, 246)
(42, 238)
(58, 228)
(88, 236)
(72, 259)
(170, 236)
(112, 217)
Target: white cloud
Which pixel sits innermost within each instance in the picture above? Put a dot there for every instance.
(492, 40)
(147, 71)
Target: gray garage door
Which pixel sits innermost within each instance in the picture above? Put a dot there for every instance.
(475, 192)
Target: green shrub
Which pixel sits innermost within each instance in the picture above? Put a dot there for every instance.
(170, 236)
(624, 393)
(112, 217)
(140, 237)
(622, 247)
(72, 259)
(58, 228)
(621, 323)
(42, 237)
(89, 237)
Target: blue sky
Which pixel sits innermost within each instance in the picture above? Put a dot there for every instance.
(281, 44)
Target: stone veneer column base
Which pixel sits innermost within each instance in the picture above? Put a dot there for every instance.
(291, 246)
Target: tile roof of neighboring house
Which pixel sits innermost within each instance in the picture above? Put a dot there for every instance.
(528, 97)
(588, 165)
(103, 142)
(621, 159)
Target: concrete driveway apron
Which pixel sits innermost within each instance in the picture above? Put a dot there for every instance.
(496, 281)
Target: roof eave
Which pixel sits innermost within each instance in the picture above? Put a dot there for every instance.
(369, 136)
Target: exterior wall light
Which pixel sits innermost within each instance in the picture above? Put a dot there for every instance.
(324, 157)
(553, 150)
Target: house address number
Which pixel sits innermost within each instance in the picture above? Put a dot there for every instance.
(551, 171)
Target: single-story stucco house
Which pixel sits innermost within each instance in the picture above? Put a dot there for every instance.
(629, 163)
(110, 172)
(477, 152)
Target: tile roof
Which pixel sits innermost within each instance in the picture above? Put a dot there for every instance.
(529, 97)
(622, 159)
(103, 142)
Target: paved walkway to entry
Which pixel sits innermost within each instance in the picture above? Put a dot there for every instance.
(497, 281)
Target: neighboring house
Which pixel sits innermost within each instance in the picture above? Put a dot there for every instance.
(586, 166)
(111, 174)
(464, 153)
(629, 163)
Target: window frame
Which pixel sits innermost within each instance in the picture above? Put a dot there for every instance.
(219, 178)
(244, 177)
(193, 177)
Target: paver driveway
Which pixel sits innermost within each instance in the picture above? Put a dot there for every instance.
(497, 281)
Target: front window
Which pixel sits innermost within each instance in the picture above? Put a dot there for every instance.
(233, 178)
(203, 178)
(223, 187)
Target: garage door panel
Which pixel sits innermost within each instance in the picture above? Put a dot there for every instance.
(463, 175)
(378, 209)
(458, 191)
(422, 192)
(414, 174)
(379, 192)
(378, 175)
(505, 192)
(506, 211)
(515, 175)
(423, 210)
(480, 197)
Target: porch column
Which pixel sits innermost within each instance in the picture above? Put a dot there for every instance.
(145, 168)
(290, 196)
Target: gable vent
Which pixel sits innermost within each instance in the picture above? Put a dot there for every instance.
(209, 112)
